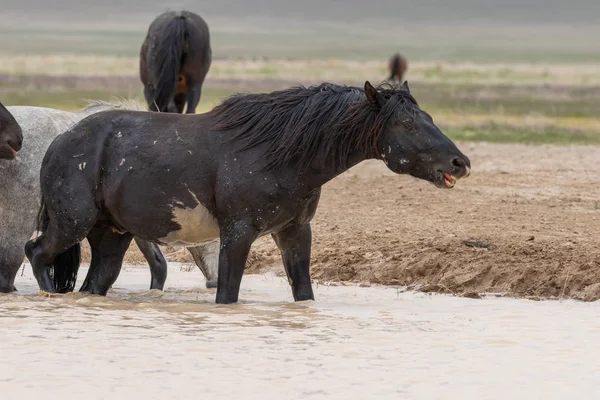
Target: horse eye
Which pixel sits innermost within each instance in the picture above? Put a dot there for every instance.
(407, 124)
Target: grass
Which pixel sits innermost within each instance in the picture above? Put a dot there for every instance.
(517, 103)
(463, 73)
(501, 133)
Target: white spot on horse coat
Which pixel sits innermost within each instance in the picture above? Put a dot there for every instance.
(122, 162)
(119, 135)
(82, 166)
(198, 226)
(383, 158)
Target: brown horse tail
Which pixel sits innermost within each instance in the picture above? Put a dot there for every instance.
(165, 65)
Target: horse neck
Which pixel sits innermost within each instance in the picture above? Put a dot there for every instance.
(324, 168)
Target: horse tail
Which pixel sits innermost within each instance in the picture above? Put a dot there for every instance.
(66, 264)
(42, 218)
(166, 63)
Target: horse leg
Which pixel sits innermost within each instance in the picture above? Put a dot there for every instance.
(233, 253)
(193, 97)
(149, 96)
(294, 243)
(206, 258)
(43, 251)
(108, 250)
(11, 258)
(157, 262)
(180, 100)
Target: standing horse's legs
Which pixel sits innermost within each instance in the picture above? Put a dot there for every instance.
(193, 97)
(235, 246)
(180, 100)
(294, 242)
(11, 258)
(207, 259)
(43, 251)
(108, 249)
(156, 261)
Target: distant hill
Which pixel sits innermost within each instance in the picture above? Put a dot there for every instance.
(477, 30)
(504, 11)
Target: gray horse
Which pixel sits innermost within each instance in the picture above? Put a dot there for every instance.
(19, 197)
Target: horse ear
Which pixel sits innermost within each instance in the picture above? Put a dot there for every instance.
(373, 96)
(405, 86)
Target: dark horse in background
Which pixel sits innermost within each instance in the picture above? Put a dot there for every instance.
(397, 66)
(11, 135)
(174, 60)
(252, 166)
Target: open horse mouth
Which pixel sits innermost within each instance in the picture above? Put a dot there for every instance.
(449, 180)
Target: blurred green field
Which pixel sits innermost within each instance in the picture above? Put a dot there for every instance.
(536, 114)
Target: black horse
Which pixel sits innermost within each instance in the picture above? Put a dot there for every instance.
(174, 60)
(11, 135)
(252, 166)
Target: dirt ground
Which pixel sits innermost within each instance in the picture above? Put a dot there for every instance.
(525, 223)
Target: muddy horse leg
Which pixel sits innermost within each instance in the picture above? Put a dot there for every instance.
(108, 249)
(43, 251)
(156, 261)
(11, 258)
(233, 253)
(294, 243)
(193, 97)
(207, 259)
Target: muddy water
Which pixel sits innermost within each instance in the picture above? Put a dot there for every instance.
(352, 343)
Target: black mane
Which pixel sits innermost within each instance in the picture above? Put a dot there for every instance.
(298, 121)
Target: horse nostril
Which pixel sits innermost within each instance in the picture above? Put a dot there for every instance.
(458, 162)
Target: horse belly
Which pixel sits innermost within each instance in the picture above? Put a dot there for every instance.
(197, 227)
